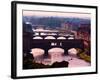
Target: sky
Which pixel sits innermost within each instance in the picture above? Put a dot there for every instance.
(57, 14)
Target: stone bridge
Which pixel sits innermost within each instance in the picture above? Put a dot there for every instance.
(64, 44)
(58, 40)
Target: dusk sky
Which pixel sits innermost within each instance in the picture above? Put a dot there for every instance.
(57, 14)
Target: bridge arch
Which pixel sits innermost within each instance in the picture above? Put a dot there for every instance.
(70, 37)
(61, 38)
(49, 37)
(37, 37)
(72, 51)
(37, 52)
(56, 50)
(56, 54)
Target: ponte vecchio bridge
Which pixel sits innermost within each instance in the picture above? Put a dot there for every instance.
(50, 39)
(58, 39)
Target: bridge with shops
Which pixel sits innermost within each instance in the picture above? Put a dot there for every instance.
(41, 41)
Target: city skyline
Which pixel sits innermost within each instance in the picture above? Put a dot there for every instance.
(57, 14)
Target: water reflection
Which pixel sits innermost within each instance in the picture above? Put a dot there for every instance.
(57, 55)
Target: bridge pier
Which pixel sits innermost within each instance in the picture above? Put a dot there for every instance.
(46, 53)
(65, 52)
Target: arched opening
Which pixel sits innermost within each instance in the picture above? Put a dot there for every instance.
(43, 33)
(36, 33)
(50, 37)
(71, 38)
(38, 54)
(61, 38)
(72, 52)
(37, 37)
(56, 50)
(37, 51)
(56, 54)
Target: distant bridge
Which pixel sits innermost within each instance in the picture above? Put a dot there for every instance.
(56, 32)
(53, 34)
